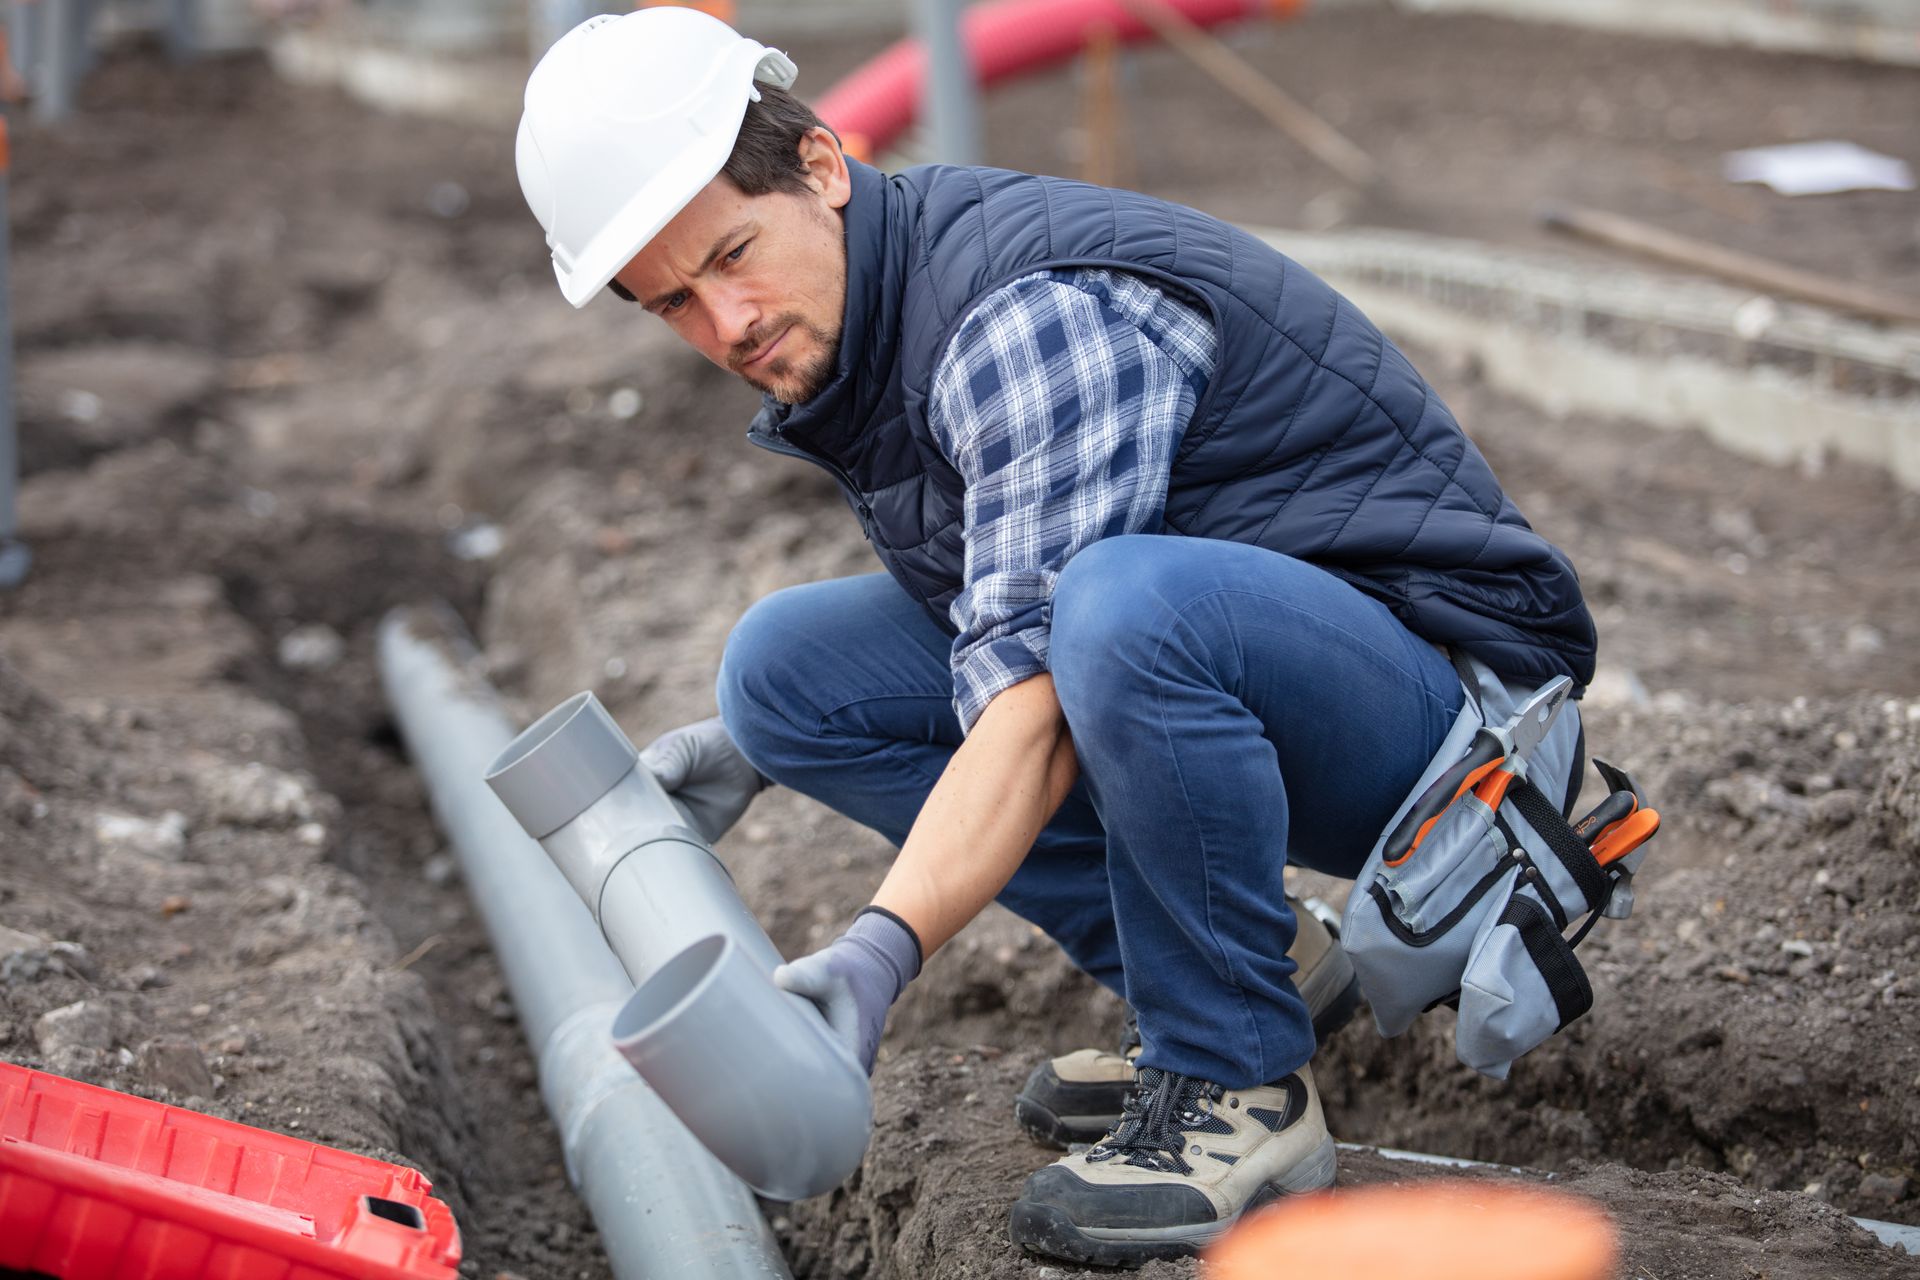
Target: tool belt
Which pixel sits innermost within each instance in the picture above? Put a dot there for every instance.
(1475, 912)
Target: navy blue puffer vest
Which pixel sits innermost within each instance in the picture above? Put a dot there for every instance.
(1315, 438)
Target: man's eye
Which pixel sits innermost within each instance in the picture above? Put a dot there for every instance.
(675, 302)
(735, 255)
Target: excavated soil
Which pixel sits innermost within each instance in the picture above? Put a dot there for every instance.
(285, 363)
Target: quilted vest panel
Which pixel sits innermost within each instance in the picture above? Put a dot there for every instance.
(1316, 437)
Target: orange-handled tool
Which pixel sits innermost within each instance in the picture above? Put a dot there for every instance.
(1617, 807)
(1626, 836)
(1480, 767)
(1488, 750)
(1493, 788)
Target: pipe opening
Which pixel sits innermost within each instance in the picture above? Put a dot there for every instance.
(567, 759)
(537, 734)
(677, 984)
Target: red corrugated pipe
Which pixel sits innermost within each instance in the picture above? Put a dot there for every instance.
(873, 106)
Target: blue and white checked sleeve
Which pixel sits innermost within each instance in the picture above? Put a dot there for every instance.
(1060, 400)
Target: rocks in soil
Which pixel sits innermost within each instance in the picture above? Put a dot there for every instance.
(25, 957)
(1880, 1188)
(256, 795)
(85, 1026)
(161, 837)
(174, 1063)
(147, 977)
(314, 647)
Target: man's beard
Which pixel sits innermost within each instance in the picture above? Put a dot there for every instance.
(785, 377)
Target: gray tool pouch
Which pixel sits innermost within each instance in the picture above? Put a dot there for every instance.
(1521, 984)
(1477, 912)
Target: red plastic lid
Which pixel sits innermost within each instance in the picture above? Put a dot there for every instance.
(99, 1185)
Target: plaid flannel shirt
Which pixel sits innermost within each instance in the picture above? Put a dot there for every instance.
(1060, 400)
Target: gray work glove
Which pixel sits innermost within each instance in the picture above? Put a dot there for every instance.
(705, 775)
(856, 979)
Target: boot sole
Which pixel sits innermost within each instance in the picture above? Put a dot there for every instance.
(1045, 1230)
(1057, 1131)
(1050, 1129)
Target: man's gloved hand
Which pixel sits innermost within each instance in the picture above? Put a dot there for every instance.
(708, 779)
(857, 978)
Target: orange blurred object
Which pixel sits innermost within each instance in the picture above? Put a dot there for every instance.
(1448, 1230)
(721, 9)
(857, 145)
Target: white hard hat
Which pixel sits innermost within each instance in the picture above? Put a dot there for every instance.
(627, 118)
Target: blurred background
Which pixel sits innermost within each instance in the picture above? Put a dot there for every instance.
(286, 351)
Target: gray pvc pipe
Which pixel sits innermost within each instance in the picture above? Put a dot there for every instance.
(797, 1111)
(719, 1042)
(663, 1206)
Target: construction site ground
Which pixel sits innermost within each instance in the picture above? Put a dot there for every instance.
(285, 363)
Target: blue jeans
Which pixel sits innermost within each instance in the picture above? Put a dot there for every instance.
(1232, 709)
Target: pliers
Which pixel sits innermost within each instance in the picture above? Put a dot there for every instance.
(1496, 757)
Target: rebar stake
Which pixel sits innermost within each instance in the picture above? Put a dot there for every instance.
(14, 556)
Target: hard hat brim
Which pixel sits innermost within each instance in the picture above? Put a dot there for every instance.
(669, 191)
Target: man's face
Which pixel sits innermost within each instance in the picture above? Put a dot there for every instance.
(757, 284)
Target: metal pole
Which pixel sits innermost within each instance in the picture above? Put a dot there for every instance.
(183, 30)
(951, 92)
(53, 86)
(80, 14)
(23, 31)
(14, 556)
(548, 20)
(663, 1206)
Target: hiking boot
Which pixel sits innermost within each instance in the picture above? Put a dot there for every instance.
(1078, 1097)
(1187, 1159)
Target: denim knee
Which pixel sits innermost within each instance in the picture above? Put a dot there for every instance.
(759, 689)
(1109, 602)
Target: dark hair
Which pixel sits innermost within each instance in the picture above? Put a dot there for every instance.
(766, 152)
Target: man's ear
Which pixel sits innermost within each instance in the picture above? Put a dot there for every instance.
(826, 166)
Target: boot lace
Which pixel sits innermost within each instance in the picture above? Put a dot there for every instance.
(1161, 1109)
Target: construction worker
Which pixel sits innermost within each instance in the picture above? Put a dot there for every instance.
(1174, 543)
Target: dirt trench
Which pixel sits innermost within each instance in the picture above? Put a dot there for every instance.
(268, 926)
(227, 887)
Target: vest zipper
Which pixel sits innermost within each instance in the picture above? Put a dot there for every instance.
(774, 444)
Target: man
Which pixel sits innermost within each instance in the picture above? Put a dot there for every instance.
(1174, 543)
